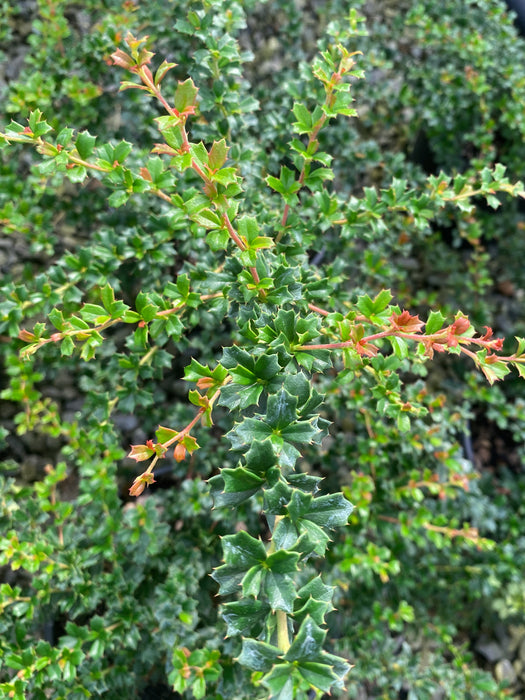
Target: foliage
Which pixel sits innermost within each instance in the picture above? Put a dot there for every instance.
(226, 247)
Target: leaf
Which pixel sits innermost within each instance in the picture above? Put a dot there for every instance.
(282, 562)
(222, 499)
(218, 154)
(249, 430)
(372, 307)
(77, 323)
(495, 371)
(260, 457)
(301, 432)
(85, 144)
(434, 322)
(118, 198)
(280, 682)
(299, 504)
(403, 422)
(38, 126)
(226, 176)
(286, 184)
(285, 534)
(277, 496)
(229, 578)
(185, 96)
(319, 675)
(140, 453)
(317, 589)
(146, 309)
(240, 480)
(316, 609)
(308, 642)
(304, 123)
(400, 347)
(280, 590)
(245, 617)
(195, 371)
(521, 370)
(198, 688)
(248, 228)
(313, 538)
(242, 550)
(93, 313)
(162, 70)
(67, 346)
(299, 385)
(64, 136)
(252, 581)
(108, 296)
(281, 410)
(217, 239)
(237, 396)
(258, 656)
(77, 174)
(287, 454)
(164, 434)
(121, 151)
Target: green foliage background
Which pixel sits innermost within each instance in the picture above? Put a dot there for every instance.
(104, 596)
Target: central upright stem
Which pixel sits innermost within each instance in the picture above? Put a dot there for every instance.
(283, 641)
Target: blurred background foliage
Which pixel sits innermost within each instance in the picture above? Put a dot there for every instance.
(101, 596)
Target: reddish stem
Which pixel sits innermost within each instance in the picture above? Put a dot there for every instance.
(318, 310)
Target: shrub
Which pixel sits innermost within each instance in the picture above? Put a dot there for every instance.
(249, 265)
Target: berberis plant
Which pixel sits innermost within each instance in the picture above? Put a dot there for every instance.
(284, 339)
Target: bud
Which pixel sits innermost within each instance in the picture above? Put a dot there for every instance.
(406, 322)
(140, 483)
(179, 452)
(205, 382)
(460, 326)
(120, 58)
(26, 335)
(488, 333)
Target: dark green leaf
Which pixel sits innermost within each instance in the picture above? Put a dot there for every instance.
(280, 590)
(299, 504)
(319, 675)
(282, 562)
(237, 396)
(245, 617)
(280, 682)
(242, 550)
(285, 534)
(223, 499)
(258, 656)
(281, 410)
(330, 511)
(260, 457)
(308, 642)
(277, 497)
(240, 479)
(252, 581)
